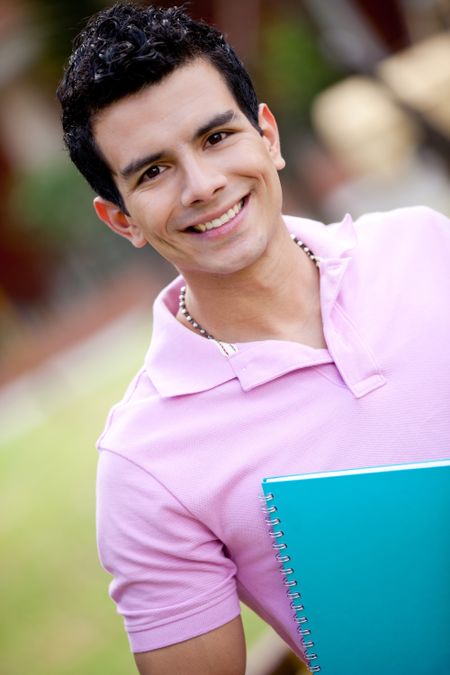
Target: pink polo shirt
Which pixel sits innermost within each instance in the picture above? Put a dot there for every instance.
(183, 454)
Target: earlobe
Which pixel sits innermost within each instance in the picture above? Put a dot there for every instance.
(119, 222)
(270, 135)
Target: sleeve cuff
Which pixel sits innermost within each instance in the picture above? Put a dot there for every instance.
(179, 630)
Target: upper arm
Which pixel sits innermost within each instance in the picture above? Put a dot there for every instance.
(219, 652)
(171, 578)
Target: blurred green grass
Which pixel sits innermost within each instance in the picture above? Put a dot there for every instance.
(57, 618)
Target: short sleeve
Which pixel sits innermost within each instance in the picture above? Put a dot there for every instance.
(171, 578)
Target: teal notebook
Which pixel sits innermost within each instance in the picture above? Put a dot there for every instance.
(365, 556)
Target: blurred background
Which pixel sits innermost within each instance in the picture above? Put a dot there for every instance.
(361, 90)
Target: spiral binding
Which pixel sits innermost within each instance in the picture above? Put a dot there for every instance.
(286, 571)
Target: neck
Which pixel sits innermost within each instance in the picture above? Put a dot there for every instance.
(276, 298)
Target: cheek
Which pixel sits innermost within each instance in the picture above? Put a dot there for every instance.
(152, 209)
(263, 166)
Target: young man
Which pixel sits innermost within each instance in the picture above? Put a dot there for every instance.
(269, 356)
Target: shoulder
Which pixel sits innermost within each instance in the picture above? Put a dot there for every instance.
(409, 229)
(414, 235)
(130, 418)
(402, 253)
(414, 221)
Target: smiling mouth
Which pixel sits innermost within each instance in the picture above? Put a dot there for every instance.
(218, 222)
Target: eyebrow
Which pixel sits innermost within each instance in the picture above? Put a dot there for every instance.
(138, 164)
(216, 121)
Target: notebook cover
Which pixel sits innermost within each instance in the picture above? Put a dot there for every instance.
(370, 552)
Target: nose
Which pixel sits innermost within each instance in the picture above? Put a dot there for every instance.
(201, 181)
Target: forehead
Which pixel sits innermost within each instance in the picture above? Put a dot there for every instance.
(166, 111)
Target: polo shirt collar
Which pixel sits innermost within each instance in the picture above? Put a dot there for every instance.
(181, 362)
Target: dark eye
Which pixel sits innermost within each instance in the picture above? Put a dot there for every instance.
(152, 172)
(216, 137)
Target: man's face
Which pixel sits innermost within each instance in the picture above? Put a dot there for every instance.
(199, 182)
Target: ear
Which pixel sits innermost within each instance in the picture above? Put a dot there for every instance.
(270, 135)
(119, 222)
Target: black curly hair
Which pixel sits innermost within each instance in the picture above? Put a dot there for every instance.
(123, 49)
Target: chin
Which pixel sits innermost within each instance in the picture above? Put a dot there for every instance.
(237, 265)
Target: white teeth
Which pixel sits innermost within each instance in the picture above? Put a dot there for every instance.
(217, 222)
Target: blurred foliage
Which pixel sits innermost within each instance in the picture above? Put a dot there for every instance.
(53, 205)
(57, 23)
(55, 201)
(293, 69)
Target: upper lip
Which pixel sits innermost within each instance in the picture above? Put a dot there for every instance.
(214, 214)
